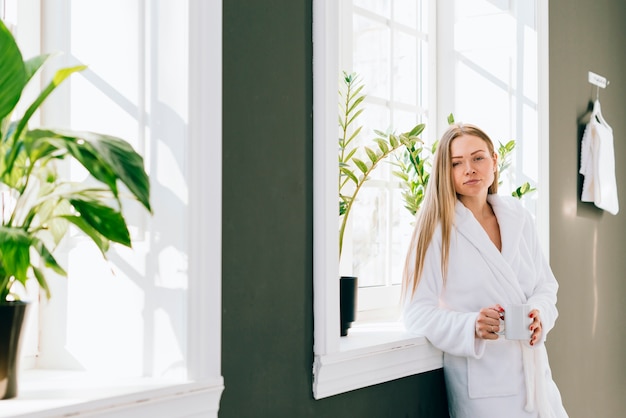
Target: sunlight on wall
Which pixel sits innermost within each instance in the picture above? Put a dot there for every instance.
(128, 316)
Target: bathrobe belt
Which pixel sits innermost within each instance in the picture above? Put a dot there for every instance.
(535, 366)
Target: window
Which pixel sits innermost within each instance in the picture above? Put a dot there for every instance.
(391, 46)
(147, 338)
(421, 61)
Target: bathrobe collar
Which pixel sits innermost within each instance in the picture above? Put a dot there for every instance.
(511, 221)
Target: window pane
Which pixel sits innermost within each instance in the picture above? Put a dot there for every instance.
(482, 99)
(369, 226)
(404, 121)
(422, 74)
(405, 68)
(529, 64)
(380, 7)
(405, 12)
(371, 55)
(374, 117)
(401, 229)
(8, 13)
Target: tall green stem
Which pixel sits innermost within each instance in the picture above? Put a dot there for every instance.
(359, 184)
(351, 167)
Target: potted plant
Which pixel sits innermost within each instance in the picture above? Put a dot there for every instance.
(38, 205)
(356, 163)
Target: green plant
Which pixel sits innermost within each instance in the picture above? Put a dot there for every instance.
(39, 205)
(356, 163)
(414, 171)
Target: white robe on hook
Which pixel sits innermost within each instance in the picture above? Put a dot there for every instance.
(597, 163)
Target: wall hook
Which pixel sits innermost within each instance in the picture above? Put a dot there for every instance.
(599, 81)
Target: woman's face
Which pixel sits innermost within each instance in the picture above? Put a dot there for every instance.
(473, 166)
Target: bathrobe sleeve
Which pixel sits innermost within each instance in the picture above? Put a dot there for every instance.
(543, 296)
(424, 314)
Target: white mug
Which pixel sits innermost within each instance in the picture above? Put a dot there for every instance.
(517, 322)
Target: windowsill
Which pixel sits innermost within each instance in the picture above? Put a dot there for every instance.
(61, 393)
(373, 353)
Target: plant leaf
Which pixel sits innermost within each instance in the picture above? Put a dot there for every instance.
(13, 77)
(41, 279)
(349, 174)
(382, 145)
(356, 132)
(371, 154)
(47, 258)
(353, 117)
(360, 164)
(418, 129)
(58, 78)
(105, 220)
(400, 175)
(107, 158)
(33, 65)
(15, 252)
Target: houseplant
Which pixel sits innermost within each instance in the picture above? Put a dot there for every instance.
(356, 163)
(38, 205)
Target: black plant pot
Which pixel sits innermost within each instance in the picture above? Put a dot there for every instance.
(12, 316)
(348, 289)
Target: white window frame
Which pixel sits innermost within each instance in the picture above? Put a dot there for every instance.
(543, 111)
(200, 394)
(378, 352)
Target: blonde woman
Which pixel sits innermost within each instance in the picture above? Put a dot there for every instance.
(472, 253)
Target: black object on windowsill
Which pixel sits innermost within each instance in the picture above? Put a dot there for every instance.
(348, 291)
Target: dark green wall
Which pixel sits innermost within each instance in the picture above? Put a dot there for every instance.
(267, 313)
(587, 245)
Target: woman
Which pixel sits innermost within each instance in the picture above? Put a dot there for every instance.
(473, 252)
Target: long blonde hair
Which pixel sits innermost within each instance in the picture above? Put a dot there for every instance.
(438, 207)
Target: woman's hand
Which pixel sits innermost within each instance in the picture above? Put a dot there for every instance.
(488, 322)
(535, 327)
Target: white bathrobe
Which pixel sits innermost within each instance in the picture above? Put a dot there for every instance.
(489, 378)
